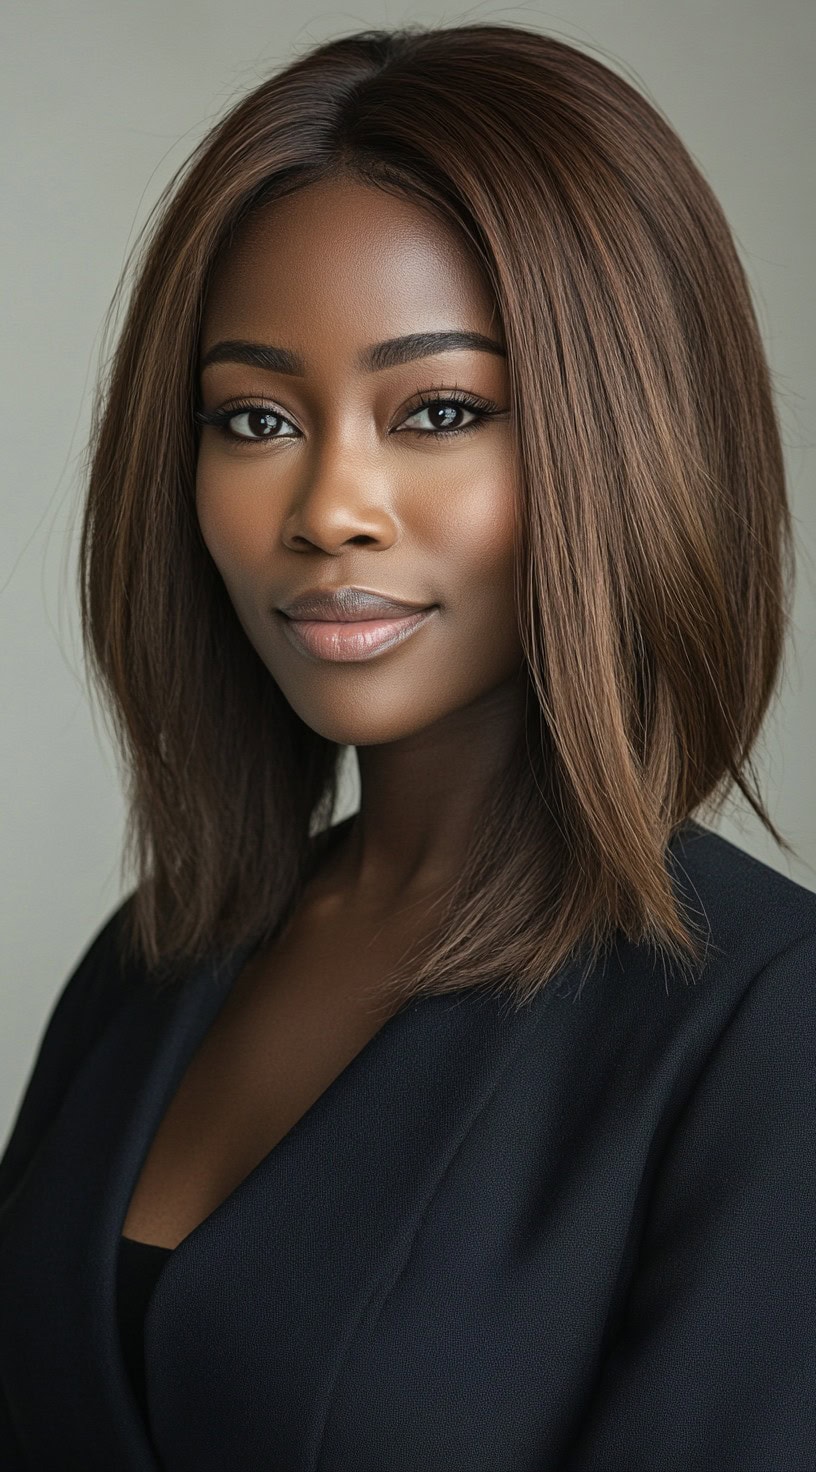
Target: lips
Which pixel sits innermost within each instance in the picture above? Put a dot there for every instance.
(344, 641)
(348, 605)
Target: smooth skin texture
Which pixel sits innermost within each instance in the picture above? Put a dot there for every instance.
(340, 492)
(349, 485)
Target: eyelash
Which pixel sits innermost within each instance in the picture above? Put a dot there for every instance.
(219, 418)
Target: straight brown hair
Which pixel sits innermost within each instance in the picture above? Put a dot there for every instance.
(654, 568)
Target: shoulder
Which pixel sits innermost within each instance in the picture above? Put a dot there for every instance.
(98, 985)
(100, 980)
(751, 1019)
(748, 912)
(752, 991)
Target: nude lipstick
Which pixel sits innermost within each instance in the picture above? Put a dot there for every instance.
(350, 623)
(344, 641)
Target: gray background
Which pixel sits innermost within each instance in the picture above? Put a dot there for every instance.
(102, 102)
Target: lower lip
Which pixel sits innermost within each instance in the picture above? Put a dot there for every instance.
(344, 642)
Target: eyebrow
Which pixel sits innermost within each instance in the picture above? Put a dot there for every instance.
(373, 358)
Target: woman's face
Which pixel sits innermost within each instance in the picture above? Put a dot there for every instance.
(332, 475)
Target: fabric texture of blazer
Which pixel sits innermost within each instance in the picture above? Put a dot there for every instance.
(579, 1236)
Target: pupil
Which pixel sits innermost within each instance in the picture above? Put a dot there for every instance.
(445, 409)
(260, 421)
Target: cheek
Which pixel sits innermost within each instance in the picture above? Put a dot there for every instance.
(233, 520)
(479, 535)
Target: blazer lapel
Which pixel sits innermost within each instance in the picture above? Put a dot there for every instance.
(253, 1307)
(254, 1313)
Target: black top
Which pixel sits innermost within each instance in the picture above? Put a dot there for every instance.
(139, 1265)
(578, 1235)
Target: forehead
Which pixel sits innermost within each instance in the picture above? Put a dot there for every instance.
(342, 258)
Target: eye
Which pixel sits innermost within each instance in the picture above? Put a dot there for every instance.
(250, 422)
(253, 423)
(448, 407)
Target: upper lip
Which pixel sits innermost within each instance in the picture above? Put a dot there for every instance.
(346, 605)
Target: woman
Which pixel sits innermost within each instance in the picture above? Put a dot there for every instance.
(472, 1133)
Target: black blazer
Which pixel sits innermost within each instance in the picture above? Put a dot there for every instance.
(575, 1237)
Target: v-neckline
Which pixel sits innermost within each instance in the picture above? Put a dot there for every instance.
(201, 1019)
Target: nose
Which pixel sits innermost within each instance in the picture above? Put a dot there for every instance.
(345, 494)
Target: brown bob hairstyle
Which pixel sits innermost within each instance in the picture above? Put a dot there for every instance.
(654, 565)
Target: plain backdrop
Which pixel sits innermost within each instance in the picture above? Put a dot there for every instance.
(102, 101)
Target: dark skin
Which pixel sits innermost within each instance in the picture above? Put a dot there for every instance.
(350, 486)
(348, 497)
